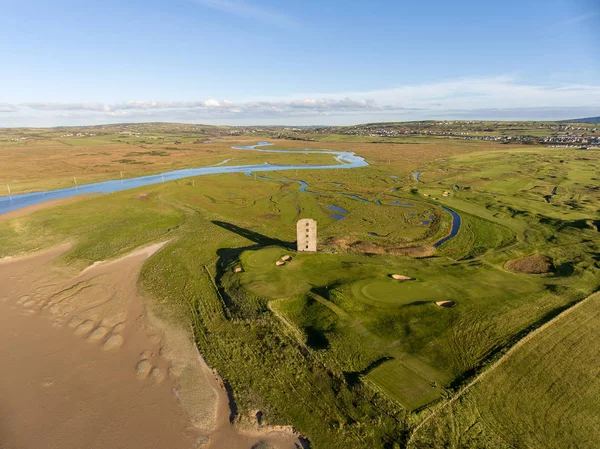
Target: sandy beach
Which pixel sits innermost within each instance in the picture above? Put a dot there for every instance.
(87, 365)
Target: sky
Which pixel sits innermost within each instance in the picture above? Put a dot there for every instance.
(310, 62)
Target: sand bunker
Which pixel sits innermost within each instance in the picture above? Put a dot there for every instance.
(85, 364)
(535, 264)
(238, 270)
(446, 304)
(286, 258)
(280, 263)
(400, 277)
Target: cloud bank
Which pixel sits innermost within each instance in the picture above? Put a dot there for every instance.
(211, 105)
(500, 97)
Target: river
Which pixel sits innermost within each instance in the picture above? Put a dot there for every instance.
(344, 159)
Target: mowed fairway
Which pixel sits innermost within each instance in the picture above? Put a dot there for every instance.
(402, 382)
(543, 395)
(350, 310)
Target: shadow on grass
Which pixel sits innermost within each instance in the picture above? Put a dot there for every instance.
(226, 256)
(565, 269)
(233, 409)
(325, 290)
(353, 377)
(417, 303)
(316, 338)
(581, 224)
(259, 239)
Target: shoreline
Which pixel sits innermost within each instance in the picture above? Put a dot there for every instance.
(41, 206)
(119, 338)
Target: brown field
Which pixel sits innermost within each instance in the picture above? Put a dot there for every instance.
(535, 264)
(47, 162)
(35, 165)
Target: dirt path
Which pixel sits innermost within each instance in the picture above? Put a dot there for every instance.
(498, 362)
(85, 364)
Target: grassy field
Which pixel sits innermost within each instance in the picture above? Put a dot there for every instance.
(543, 395)
(46, 161)
(330, 342)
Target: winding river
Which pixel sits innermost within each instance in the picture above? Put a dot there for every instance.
(454, 228)
(344, 159)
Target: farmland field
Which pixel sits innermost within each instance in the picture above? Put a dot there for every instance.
(330, 342)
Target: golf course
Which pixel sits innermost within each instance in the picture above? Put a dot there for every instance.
(452, 309)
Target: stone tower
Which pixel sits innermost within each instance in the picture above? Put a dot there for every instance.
(307, 235)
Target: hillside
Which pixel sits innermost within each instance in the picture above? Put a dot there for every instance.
(584, 120)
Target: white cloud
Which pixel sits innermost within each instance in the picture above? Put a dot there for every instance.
(495, 96)
(495, 93)
(98, 107)
(306, 105)
(211, 103)
(475, 93)
(8, 107)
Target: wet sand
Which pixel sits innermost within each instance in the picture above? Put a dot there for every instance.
(70, 351)
(84, 365)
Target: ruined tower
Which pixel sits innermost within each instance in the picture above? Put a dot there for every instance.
(307, 235)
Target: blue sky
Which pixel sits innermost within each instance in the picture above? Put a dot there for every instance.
(312, 62)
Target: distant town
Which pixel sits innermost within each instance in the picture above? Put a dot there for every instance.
(550, 134)
(554, 134)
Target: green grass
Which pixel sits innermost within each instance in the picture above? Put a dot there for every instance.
(101, 227)
(400, 318)
(329, 342)
(543, 396)
(478, 236)
(394, 225)
(399, 381)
